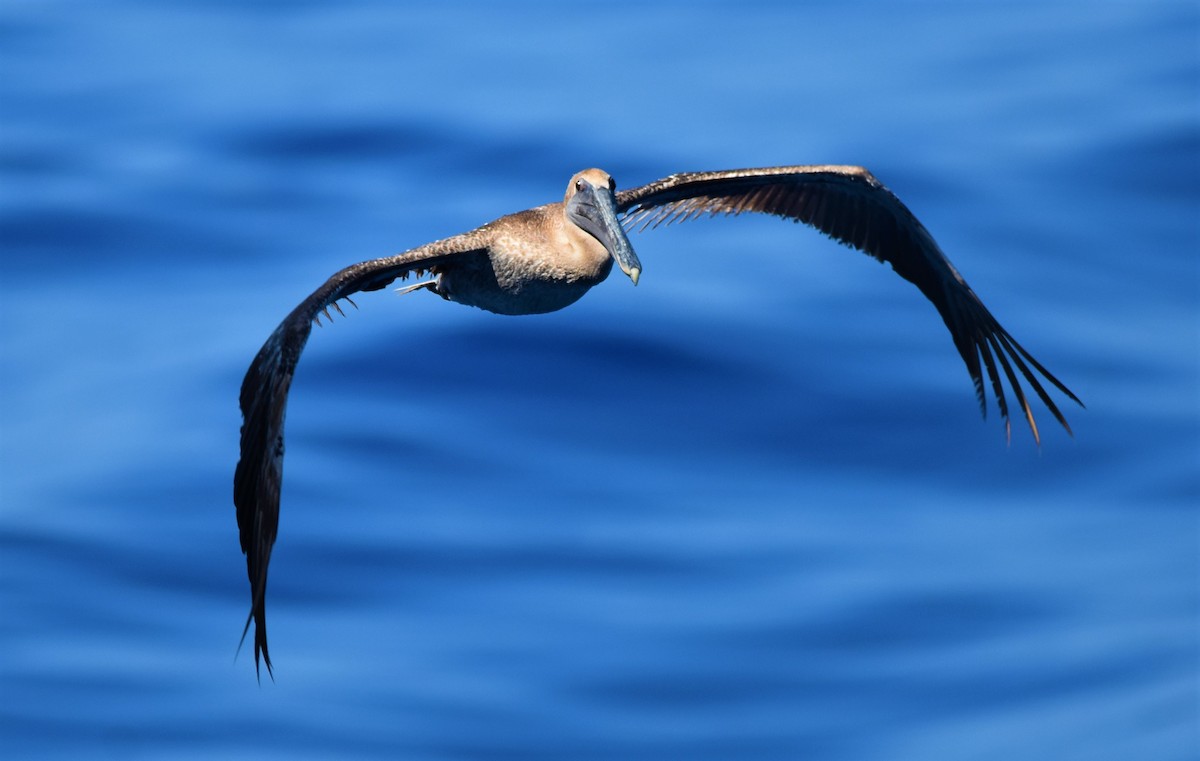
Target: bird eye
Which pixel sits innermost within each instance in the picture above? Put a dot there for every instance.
(612, 184)
(579, 185)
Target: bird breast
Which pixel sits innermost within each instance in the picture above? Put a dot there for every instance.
(533, 263)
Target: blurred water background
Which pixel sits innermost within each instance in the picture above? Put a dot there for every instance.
(746, 510)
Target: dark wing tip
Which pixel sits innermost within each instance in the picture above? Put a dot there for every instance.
(258, 615)
(980, 335)
(260, 648)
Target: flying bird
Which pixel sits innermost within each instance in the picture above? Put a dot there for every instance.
(545, 258)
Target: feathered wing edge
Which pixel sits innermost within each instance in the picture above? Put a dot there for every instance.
(848, 204)
(258, 479)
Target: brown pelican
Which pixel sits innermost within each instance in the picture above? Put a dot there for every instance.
(544, 259)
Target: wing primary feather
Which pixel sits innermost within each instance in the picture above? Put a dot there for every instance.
(1013, 381)
(1015, 351)
(967, 344)
(1044, 372)
(989, 364)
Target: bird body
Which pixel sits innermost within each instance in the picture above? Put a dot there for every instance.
(511, 274)
(546, 258)
(534, 261)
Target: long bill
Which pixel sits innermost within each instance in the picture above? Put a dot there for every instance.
(595, 210)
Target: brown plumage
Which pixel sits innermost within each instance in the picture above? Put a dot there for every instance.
(546, 258)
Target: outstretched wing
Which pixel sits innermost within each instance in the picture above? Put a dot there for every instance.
(848, 204)
(259, 474)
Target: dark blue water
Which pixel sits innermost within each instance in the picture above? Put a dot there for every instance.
(746, 510)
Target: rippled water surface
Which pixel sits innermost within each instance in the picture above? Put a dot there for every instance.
(746, 510)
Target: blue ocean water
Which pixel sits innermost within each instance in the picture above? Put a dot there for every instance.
(746, 510)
